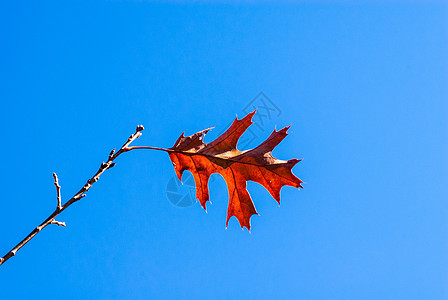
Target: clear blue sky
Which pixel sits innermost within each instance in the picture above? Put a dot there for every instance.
(365, 88)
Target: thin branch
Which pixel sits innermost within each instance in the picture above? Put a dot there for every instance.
(58, 190)
(80, 194)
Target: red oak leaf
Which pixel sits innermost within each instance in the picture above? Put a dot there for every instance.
(237, 167)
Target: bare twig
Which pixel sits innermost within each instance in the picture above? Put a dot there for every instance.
(80, 194)
(58, 190)
(58, 223)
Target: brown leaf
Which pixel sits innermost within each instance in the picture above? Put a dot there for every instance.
(237, 167)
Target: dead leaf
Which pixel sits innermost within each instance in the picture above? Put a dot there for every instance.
(237, 167)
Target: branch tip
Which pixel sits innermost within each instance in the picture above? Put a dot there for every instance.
(79, 197)
(58, 190)
(111, 154)
(139, 128)
(58, 223)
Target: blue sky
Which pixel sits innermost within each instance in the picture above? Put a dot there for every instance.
(363, 86)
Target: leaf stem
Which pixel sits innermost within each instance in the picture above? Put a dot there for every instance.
(148, 147)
